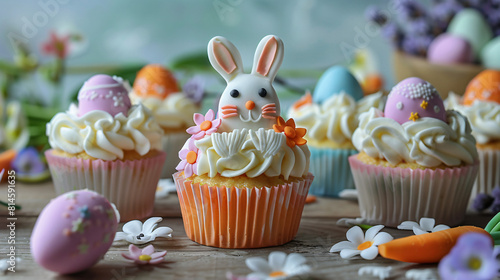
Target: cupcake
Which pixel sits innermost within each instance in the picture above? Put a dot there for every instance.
(243, 177)
(481, 104)
(106, 145)
(330, 117)
(157, 89)
(416, 159)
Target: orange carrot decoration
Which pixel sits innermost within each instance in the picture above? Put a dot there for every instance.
(426, 248)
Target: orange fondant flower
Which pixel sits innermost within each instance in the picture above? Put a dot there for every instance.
(293, 135)
(304, 100)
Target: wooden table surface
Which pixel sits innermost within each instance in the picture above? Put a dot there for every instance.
(188, 260)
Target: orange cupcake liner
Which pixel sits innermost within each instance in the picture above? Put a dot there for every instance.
(230, 217)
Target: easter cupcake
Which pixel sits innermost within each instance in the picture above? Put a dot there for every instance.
(416, 159)
(243, 177)
(330, 117)
(106, 145)
(481, 104)
(157, 89)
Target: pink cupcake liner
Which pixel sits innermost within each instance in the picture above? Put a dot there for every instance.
(230, 217)
(390, 195)
(172, 143)
(130, 185)
(489, 172)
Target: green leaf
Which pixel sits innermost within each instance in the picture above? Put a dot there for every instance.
(195, 61)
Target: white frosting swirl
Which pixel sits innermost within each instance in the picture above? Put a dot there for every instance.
(428, 142)
(175, 111)
(484, 118)
(103, 136)
(336, 119)
(245, 151)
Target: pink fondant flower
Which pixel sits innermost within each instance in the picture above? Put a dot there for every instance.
(205, 125)
(144, 256)
(189, 159)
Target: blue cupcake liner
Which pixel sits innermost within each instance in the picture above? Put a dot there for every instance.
(331, 169)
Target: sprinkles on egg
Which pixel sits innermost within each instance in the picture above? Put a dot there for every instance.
(425, 91)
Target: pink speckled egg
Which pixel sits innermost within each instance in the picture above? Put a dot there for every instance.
(414, 98)
(73, 232)
(105, 93)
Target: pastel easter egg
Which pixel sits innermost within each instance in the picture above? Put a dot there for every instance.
(485, 86)
(490, 54)
(471, 25)
(154, 80)
(414, 98)
(335, 80)
(73, 232)
(450, 49)
(105, 93)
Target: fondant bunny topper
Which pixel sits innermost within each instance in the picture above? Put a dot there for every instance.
(249, 100)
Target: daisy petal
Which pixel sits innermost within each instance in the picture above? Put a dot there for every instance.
(348, 253)
(158, 254)
(293, 261)
(216, 123)
(120, 236)
(156, 261)
(277, 260)
(193, 130)
(370, 253)
(188, 170)
(257, 276)
(372, 232)
(181, 165)
(133, 227)
(135, 252)
(210, 115)
(427, 224)
(342, 245)
(198, 118)
(418, 231)
(183, 153)
(408, 225)
(381, 238)
(258, 264)
(150, 224)
(127, 256)
(148, 250)
(355, 235)
(440, 227)
(162, 232)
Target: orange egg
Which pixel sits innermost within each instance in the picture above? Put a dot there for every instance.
(485, 86)
(154, 80)
(372, 84)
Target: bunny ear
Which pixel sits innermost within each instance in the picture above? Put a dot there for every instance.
(268, 57)
(224, 57)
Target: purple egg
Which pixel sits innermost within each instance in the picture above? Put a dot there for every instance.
(450, 49)
(73, 232)
(105, 93)
(412, 99)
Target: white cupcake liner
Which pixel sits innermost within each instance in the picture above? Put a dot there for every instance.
(172, 143)
(390, 196)
(488, 176)
(230, 217)
(130, 185)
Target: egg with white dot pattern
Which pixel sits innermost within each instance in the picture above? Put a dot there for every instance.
(412, 99)
(485, 86)
(73, 232)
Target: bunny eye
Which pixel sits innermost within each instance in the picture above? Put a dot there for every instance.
(234, 93)
(262, 92)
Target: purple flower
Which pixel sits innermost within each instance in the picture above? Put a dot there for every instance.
(373, 13)
(419, 26)
(495, 207)
(416, 45)
(482, 202)
(409, 9)
(195, 89)
(471, 258)
(496, 192)
(28, 163)
(392, 32)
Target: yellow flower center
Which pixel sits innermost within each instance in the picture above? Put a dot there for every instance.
(365, 245)
(277, 274)
(191, 157)
(145, 258)
(474, 263)
(206, 125)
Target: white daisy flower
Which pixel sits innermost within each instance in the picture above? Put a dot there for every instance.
(426, 225)
(382, 272)
(362, 244)
(279, 266)
(165, 186)
(137, 233)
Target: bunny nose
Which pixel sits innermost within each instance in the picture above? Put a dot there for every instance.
(250, 105)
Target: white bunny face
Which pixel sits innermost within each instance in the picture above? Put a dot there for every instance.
(249, 100)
